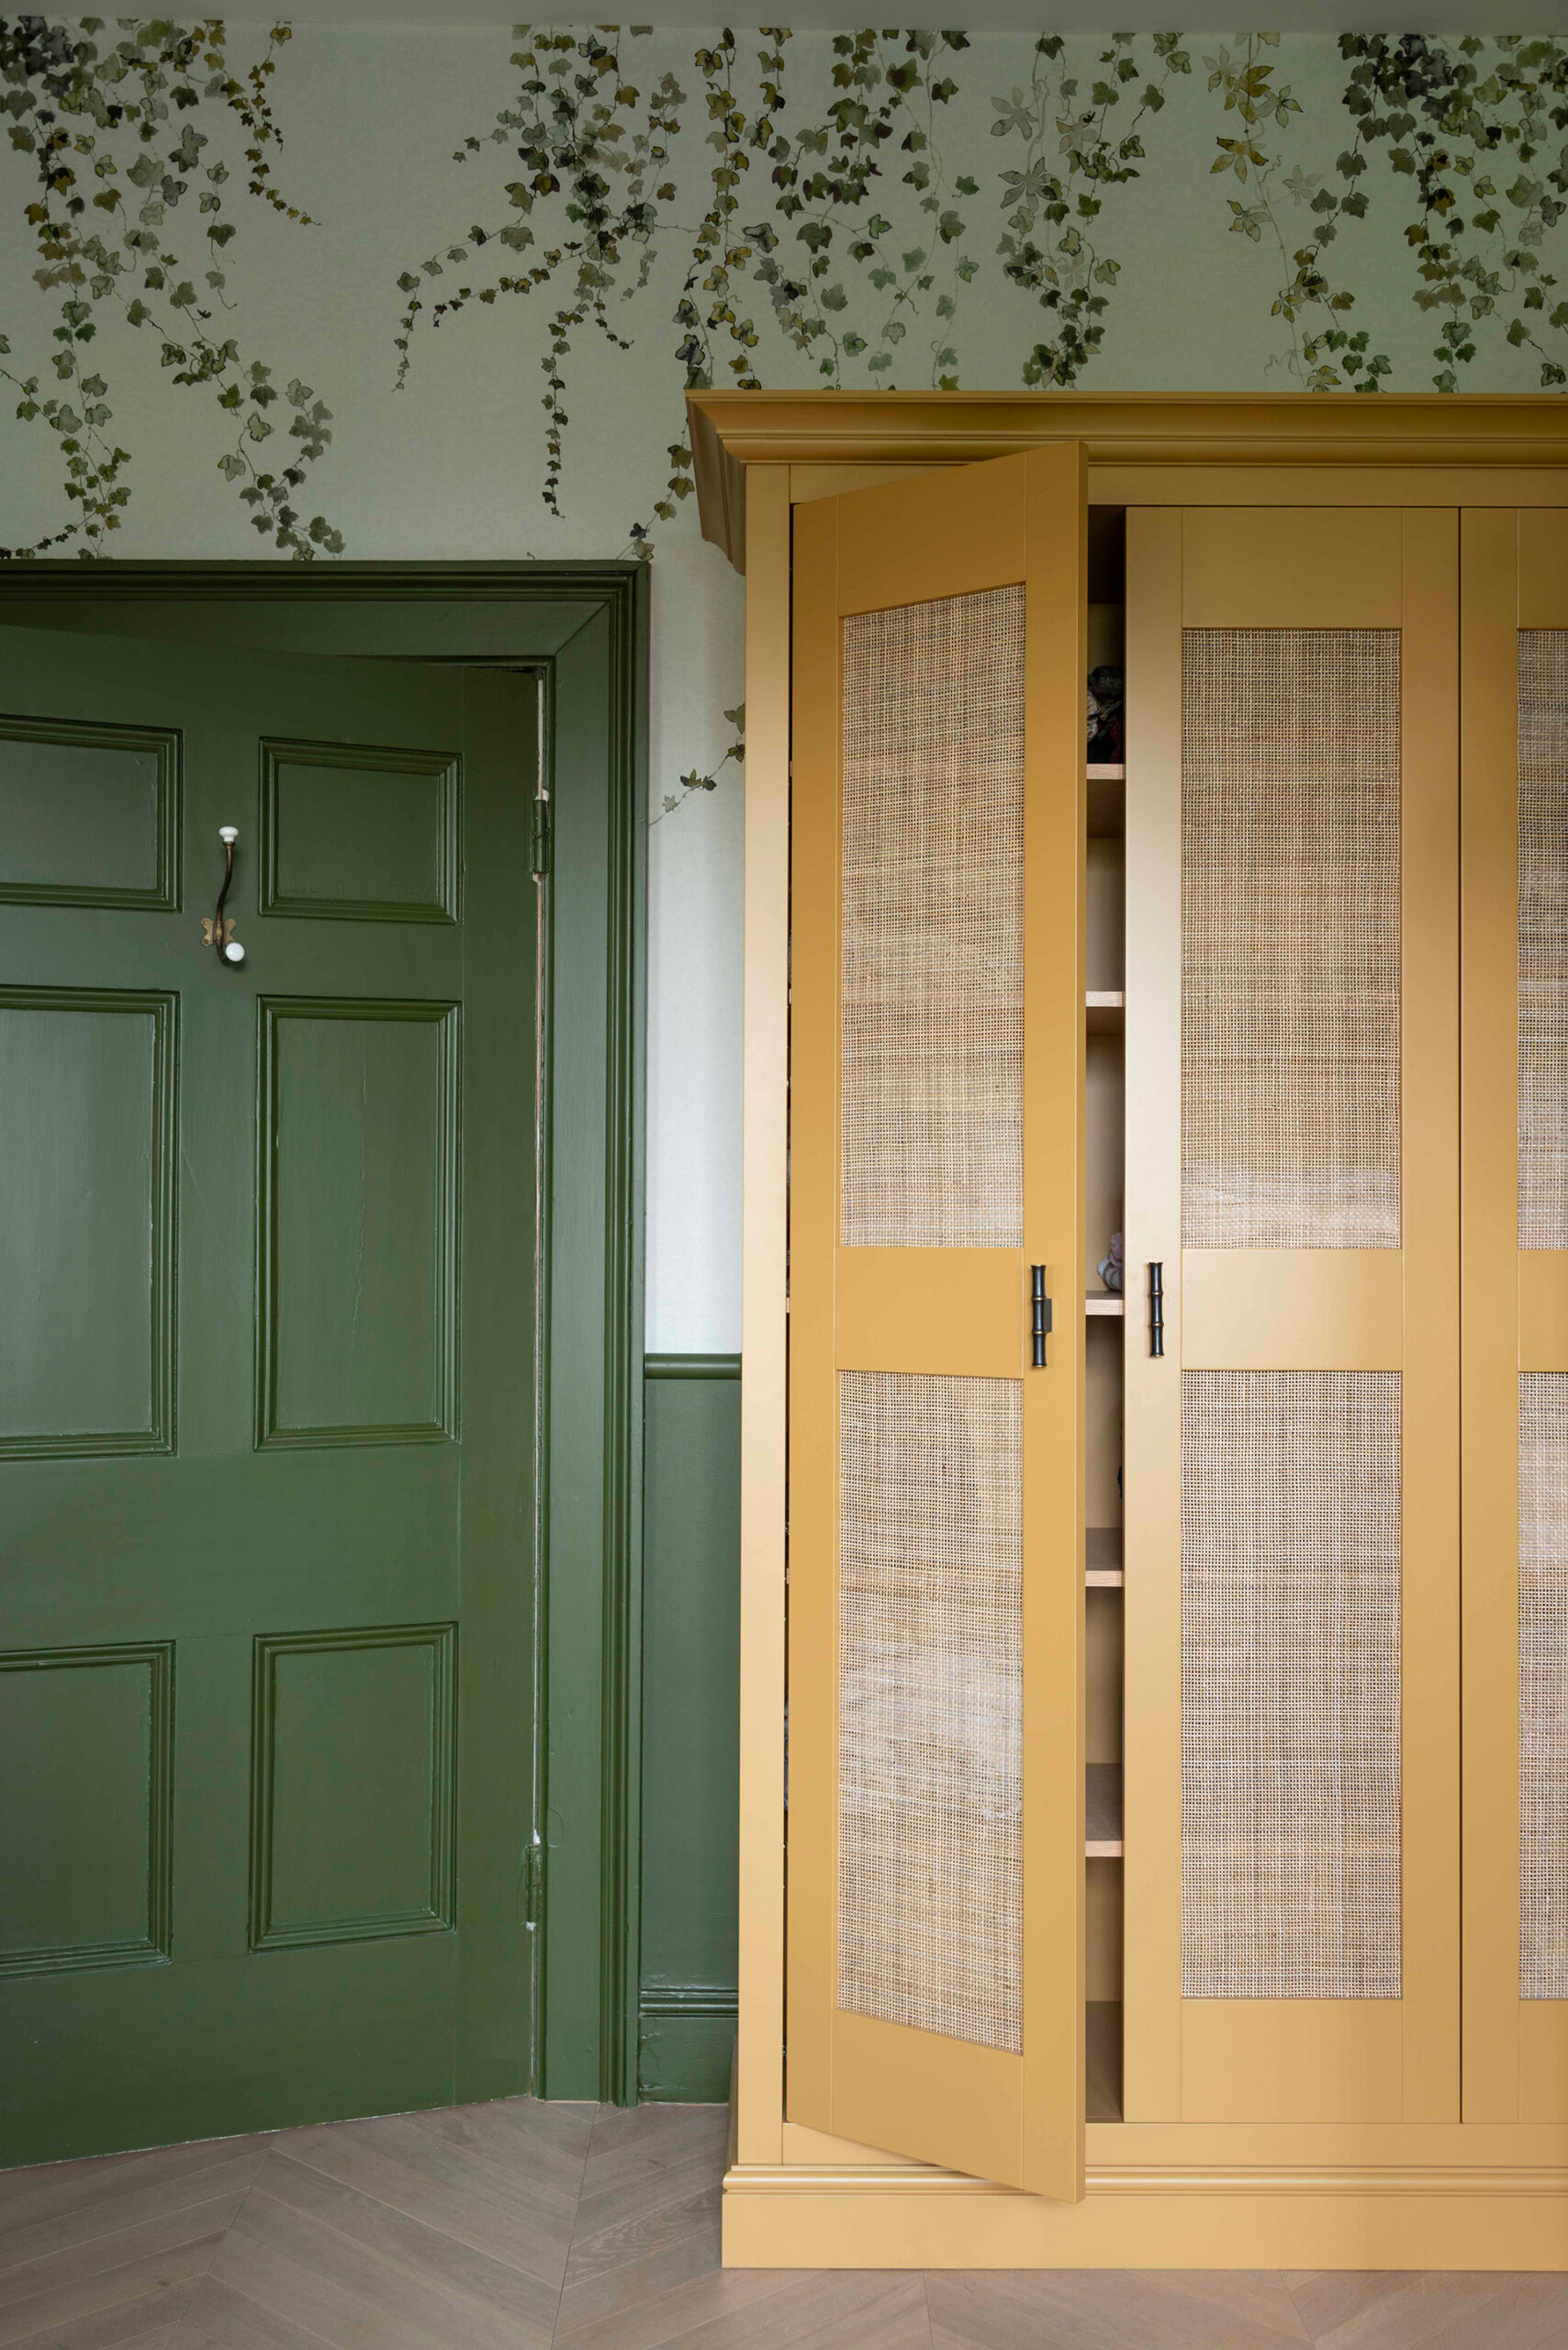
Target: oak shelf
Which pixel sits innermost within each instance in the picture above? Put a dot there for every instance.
(1104, 1300)
(1105, 1011)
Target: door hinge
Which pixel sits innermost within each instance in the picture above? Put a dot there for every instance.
(533, 1883)
(539, 842)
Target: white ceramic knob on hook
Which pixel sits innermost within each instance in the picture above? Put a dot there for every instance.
(229, 834)
(233, 952)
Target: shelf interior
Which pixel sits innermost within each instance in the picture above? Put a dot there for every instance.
(1102, 2042)
(1106, 1115)
(1103, 1812)
(1102, 1557)
(1107, 802)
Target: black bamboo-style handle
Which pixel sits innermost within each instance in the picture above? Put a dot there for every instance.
(1039, 1314)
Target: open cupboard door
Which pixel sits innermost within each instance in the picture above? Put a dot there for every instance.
(936, 1781)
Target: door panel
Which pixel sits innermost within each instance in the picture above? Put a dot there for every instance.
(87, 1252)
(1291, 1490)
(1516, 1316)
(357, 1178)
(89, 815)
(935, 1966)
(250, 1533)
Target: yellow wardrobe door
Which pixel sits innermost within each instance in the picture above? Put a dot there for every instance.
(1514, 569)
(1292, 1529)
(935, 1767)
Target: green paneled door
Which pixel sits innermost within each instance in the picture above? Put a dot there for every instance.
(266, 1390)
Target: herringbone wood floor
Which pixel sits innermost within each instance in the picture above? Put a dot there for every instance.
(517, 2226)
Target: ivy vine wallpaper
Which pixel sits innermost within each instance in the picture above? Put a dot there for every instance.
(297, 292)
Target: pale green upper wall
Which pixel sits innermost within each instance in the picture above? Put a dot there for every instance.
(866, 208)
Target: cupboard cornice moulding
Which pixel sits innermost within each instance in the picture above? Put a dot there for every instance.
(733, 430)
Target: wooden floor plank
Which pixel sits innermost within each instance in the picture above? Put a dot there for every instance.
(51, 2190)
(367, 2260)
(69, 2304)
(1426, 2309)
(501, 2209)
(672, 2315)
(147, 2323)
(1111, 2309)
(221, 2319)
(172, 2237)
(425, 2255)
(125, 2204)
(817, 2309)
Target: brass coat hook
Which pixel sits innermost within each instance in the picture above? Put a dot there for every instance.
(219, 932)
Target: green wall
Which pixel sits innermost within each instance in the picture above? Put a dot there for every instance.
(690, 1731)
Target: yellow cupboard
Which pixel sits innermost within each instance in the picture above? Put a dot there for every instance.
(1154, 1404)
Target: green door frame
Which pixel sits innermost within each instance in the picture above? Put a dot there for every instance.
(583, 629)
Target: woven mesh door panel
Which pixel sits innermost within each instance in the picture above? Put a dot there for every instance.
(1290, 938)
(932, 1102)
(1543, 927)
(1543, 1685)
(930, 1699)
(1290, 1685)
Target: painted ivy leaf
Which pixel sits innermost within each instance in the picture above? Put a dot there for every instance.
(1015, 114)
(1301, 186)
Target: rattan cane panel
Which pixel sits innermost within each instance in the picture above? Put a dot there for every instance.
(1290, 1685)
(1543, 1685)
(931, 1079)
(930, 1703)
(1290, 938)
(1543, 928)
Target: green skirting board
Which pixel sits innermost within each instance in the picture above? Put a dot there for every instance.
(690, 1730)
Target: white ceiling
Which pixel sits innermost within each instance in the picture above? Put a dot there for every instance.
(997, 16)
